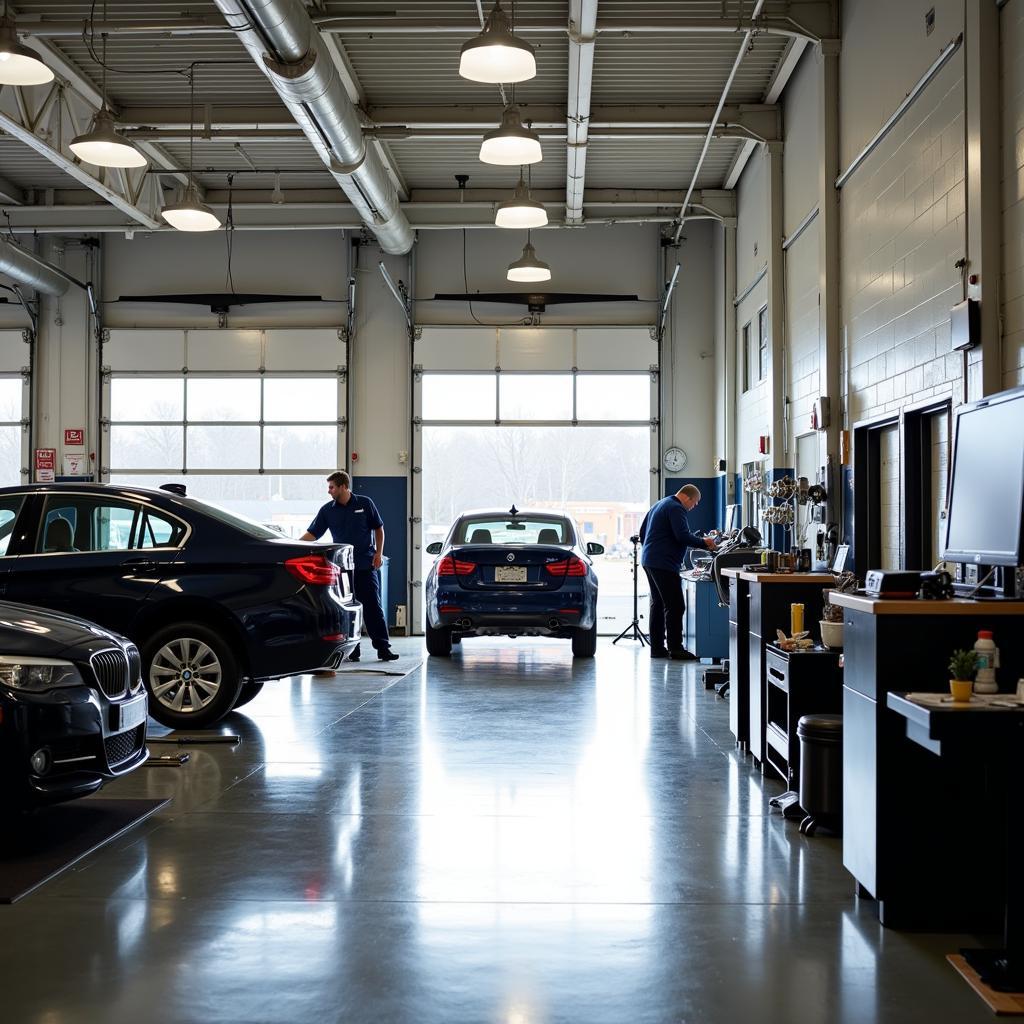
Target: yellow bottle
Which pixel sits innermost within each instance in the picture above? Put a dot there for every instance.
(796, 619)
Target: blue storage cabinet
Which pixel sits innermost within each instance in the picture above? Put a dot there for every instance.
(705, 624)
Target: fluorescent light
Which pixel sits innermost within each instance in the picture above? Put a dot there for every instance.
(521, 211)
(103, 146)
(191, 214)
(495, 55)
(528, 268)
(510, 144)
(19, 64)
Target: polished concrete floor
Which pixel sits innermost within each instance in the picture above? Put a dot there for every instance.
(509, 836)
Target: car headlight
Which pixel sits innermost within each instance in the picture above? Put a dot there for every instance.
(36, 675)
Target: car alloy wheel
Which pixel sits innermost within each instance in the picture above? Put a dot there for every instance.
(185, 675)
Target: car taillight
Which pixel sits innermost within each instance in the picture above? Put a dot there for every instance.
(449, 566)
(571, 566)
(313, 569)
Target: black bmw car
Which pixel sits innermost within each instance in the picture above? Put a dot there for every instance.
(217, 603)
(72, 707)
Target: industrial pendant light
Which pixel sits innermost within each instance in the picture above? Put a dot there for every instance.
(521, 211)
(102, 145)
(190, 213)
(495, 55)
(19, 64)
(528, 268)
(510, 144)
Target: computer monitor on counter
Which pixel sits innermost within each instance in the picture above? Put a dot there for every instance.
(986, 490)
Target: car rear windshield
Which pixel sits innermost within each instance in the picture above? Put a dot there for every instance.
(233, 519)
(520, 530)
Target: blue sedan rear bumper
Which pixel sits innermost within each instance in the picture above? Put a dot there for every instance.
(560, 612)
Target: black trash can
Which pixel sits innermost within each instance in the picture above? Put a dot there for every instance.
(821, 772)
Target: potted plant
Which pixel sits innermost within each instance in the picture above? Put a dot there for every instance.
(963, 667)
(831, 623)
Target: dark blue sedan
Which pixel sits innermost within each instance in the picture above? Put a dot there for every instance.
(512, 574)
(217, 603)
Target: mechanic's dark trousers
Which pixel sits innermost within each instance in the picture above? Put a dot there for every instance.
(667, 607)
(368, 595)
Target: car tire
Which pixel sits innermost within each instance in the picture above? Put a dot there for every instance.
(191, 676)
(439, 642)
(584, 642)
(249, 691)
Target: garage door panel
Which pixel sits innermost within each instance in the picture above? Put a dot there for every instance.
(224, 350)
(535, 348)
(615, 348)
(457, 348)
(304, 350)
(134, 350)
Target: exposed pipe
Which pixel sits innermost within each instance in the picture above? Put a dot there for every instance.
(394, 289)
(744, 44)
(582, 34)
(668, 299)
(286, 46)
(908, 100)
(27, 268)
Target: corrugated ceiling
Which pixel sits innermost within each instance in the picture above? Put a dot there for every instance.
(419, 68)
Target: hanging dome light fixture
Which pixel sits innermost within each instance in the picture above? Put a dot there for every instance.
(102, 145)
(495, 55)
(19, 64)
(521, 211)
(191, 213)
(510, 144)
(528, 268)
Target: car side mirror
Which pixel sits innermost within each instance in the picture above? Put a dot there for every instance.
(435, 548)
(594, 549)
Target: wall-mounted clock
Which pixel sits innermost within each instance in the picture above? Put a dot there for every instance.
(675, 460)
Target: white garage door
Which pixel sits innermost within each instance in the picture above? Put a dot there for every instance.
(250, 419)
(561, 418)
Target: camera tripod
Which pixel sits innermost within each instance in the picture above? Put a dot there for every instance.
(633, 630)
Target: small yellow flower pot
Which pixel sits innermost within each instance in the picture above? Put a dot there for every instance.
(961, 690)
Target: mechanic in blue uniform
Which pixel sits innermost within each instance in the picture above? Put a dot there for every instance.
(354, 519)
(666, 535)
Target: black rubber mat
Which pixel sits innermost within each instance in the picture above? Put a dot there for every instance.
(35, 848)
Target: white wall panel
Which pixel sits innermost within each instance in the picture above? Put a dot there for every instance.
(752, 220)
(753, 407)
(1011, 26)
(223, 350)
(889, 497)
(801, 104)
(145, 350)
(803, 384)
(301, 349)
(13, 351)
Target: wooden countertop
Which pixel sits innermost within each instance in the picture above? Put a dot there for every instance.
(739, 573)
(955, 606)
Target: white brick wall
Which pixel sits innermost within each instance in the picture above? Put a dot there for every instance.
(889, 500)
(802, 361)
(939, 470)
(1011, 27)
(903, 227)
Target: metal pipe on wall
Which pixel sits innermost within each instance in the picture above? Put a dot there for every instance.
(28, 269)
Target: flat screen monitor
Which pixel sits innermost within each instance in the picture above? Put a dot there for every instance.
(732, 517)
(986, 489)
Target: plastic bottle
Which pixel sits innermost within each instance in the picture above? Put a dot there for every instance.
(987, 660)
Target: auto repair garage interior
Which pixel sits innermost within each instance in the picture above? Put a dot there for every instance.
(771, 248)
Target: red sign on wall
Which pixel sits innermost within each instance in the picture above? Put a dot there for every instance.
(74, 436)
(46, 458)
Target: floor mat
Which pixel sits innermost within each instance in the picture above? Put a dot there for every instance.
(38, 847)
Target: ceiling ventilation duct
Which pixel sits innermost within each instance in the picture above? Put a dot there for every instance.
(25, 268)
(287, 48)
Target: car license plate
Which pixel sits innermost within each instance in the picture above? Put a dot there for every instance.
(128, 715)
(510, 574)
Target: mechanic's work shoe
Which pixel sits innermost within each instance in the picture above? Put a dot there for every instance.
(354, 656)
(682, 655)
(658, 654)
(386, 654)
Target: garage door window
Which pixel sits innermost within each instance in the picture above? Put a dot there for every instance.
(11, 395)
